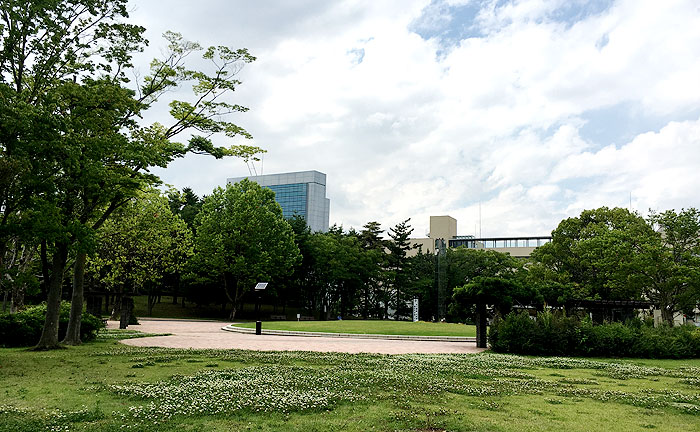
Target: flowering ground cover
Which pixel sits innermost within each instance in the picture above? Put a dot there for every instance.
(371, 327)
(106, 386)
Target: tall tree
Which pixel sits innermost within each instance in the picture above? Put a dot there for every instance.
(666, 261)
(140, 246)
(242, 238)
(61, 64)
(398, 263)
(422, 284)
(302, 286)
(373, 294)
(185, 204)
(586, 253)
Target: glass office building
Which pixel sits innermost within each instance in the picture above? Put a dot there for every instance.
(298, 193)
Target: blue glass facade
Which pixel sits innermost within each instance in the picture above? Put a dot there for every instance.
(300, 193)
(292, 198)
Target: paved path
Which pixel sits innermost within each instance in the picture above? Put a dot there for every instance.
(208, 334)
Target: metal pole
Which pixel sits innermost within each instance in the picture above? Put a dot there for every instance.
(258, 323)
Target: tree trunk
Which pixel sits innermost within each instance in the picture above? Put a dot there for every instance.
(44, 270)
(4, 302)
(116, 306)
(481, 325)
(127, 308)
(151, 303)
(76, 306)
(17, 298)
(49, 334)
(230, 283)
(667, 315)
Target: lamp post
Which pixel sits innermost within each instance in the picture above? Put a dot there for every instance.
(259, 288)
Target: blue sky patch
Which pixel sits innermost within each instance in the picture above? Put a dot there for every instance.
(450, 24)
(620, 123)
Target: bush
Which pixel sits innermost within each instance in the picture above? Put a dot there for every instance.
(517, 334)
(24, 327)
(557, 334)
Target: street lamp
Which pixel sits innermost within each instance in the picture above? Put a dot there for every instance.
(259, 288)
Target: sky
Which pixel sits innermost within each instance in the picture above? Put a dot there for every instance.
(525, 112)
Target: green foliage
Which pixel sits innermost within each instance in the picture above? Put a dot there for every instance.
(242, 239)
(73, 147)
(141, 244)
(185, 204)
(670, 262)
(491, 278)
(398, 266)
(614, 254)
(590, 255)
(24, 328)
(558, 334)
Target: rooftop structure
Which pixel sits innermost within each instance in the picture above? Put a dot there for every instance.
(445, 228)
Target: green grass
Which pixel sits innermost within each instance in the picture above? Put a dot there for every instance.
(371, 327)
(103, 385)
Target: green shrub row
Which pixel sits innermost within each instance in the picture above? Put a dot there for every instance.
(24, 327)
(561, 335)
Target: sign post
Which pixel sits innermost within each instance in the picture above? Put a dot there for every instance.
(259, 288)
(415, 310)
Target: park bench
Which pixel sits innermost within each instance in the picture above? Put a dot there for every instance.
(278, 317)
(306, 318)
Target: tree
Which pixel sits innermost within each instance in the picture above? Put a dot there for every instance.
(19, 276)
(301, 287)
(185, 204)
(140, 246)
(666, 261)
(72, 145)
(373, 294)
(422, 284)
(614, 254)
(242, 239)
(398, 264)
(485, 274)
(589, 256)
(492, 278)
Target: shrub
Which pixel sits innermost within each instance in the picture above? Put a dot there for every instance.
(24, 327)
(557, 334)
(516, 333)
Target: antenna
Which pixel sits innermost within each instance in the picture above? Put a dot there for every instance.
(480, 219)
(630, 201)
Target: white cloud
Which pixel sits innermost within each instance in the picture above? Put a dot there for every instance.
(409, 133)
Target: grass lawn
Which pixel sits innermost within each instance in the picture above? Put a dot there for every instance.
(371, 327)
(103, 385)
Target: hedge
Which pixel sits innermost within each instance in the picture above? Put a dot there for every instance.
(561, 335)
(24, 327)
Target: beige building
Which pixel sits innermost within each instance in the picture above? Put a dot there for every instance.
(445, 228)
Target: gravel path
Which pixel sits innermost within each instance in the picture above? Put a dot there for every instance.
(208, 334)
